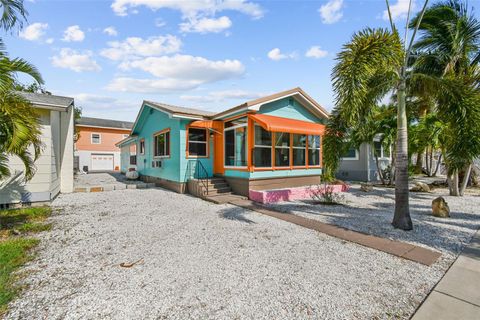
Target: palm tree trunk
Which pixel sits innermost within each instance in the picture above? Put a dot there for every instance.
(439, 161)
(466, 177)
(379, 171)
(419, 162)
(427, 168)
(430, 171)
(401, 218)
(453, 183)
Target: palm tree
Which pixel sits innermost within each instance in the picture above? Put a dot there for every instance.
(370, 66)
(13, 14)
(448, 57)
(19, 124)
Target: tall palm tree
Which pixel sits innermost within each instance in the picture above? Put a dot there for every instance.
(448, 57)
(19, 124)
(370, 66)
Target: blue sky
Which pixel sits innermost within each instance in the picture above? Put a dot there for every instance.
(213, 55)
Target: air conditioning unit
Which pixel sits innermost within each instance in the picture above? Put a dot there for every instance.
(156, 163)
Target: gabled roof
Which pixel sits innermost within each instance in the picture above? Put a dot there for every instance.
(296, 93)
(175, 110)
(104, 123)
(47, 100)
(196, 114)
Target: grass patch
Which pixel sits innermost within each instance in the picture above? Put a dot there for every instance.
(14, 246)
(24, 220)
(13, 254)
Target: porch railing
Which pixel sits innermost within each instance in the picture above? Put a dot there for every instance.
(199, 172)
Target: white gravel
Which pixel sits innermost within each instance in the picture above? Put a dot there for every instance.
(372, 213)
(206, 261)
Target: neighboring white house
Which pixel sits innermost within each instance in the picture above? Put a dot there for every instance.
(360, 165)
(54, 167)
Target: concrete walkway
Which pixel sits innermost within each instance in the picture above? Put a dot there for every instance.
(396, 248)
(457, 295)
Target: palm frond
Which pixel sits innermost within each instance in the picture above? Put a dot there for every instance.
(13, 14)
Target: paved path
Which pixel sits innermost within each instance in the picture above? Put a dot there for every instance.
(397, 248)
(457, 295)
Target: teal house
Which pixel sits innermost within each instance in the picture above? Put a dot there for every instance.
(272, 142)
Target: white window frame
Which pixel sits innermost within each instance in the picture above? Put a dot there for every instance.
(99, 138)
(382, 150)
(356, 157)
(234, 135)
(164, 146)
(199, 142)
(300, 148)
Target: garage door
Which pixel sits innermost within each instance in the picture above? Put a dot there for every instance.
(102, 162)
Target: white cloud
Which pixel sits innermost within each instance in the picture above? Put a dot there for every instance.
(331, 12)
(276, 55)
(220, 96)
(137, 47)
(190, 8)
(76, 61)
(50, 40)
(73, 33)
(126, 84)
(187, 67)
(176, 73)
(94, 105)
(34, 32)
(399, 10)
(205, 25)
(316, 52)
(111, 31)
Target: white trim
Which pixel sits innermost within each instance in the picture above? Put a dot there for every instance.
(99, 138)
(164, 145)
(187, 117)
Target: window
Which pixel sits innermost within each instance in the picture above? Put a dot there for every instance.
(314, 150)
(236, 146)
(282, 149)
(380, 150)
(133, 159)
(299, 150)
(141, 146)
(262, 152)
(162, 144)
(197, 142)
(96, 139)
(350, 154)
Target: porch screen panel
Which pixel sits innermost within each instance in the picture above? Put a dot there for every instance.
(230, 148)
(240, 147)
(282, 149)
(262, 153)
(314, 150)
(299, 150)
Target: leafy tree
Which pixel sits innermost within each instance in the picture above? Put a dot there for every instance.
(448, 57)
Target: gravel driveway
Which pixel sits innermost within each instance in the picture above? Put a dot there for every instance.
(206, 261)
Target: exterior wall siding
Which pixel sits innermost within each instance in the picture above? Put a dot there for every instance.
(289, 108)
(155, 122)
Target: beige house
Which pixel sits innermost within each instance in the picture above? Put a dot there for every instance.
(54, 172)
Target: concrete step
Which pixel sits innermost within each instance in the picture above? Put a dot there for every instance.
(219, 191)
